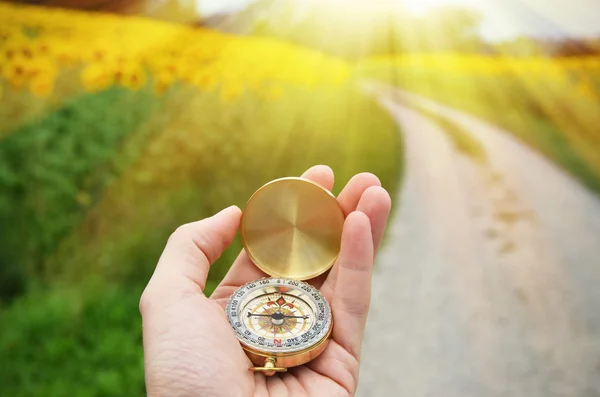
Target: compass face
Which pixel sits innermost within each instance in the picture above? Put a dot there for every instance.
(278, 315)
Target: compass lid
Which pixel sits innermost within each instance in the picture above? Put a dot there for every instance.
(292, 228)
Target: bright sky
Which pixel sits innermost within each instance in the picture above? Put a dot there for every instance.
(208, 7)
(503, 19)
(508, 18)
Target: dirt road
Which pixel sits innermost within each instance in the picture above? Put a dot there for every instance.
(489, 283)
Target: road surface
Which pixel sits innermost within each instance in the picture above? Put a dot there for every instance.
(489, 282)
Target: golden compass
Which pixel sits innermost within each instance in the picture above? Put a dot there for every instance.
(291, 229)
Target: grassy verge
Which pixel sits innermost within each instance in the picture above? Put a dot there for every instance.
(113, 132)
(547, 109)
(54, 168)
(206, 156)
(460, 137)
(106, 194)
(79, 341)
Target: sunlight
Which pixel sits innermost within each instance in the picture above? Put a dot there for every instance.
(422, 6)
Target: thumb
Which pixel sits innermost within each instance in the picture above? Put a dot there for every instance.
(192, 248)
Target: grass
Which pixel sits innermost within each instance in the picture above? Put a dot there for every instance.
(462, 140)
(201, 162)
(97, 170)
(53, 169)
(94, 189)
(72, 342)
(551, 115)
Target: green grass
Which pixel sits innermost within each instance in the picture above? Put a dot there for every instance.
(18, 104)
(54, 168)
(72, 342)
(206, 156)
(551, 117)
(93, 190)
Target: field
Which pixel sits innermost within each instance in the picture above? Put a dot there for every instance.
(114, 131)
(552, 104)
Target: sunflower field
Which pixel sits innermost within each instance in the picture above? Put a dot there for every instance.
(115, 130)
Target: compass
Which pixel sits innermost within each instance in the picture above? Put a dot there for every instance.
(291, 229)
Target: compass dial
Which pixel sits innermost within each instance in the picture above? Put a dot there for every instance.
(278, 315)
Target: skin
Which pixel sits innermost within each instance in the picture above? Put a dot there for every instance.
(189, 346)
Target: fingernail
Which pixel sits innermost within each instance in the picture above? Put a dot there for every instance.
(231, 207)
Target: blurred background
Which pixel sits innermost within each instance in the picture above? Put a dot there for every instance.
(120, 120)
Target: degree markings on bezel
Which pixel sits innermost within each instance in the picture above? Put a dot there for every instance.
(312, 330)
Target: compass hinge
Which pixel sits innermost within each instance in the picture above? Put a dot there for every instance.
(269, 367)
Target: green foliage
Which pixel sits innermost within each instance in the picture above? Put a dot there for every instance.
(69, 342)
(203, 161)
(550, 115)
(461, 139)
(52, 169)
(143, 170)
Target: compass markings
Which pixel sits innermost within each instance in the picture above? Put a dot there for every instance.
(285, 314)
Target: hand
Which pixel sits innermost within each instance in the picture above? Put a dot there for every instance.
(191, 350)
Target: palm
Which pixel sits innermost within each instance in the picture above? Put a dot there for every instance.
(195, 343)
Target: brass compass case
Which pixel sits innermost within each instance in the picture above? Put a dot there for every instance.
(291, 229)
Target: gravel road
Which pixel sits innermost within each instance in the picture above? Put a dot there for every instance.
(489, 283)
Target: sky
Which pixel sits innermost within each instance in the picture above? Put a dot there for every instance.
(502, 19)
(505, 19)
(209, 7)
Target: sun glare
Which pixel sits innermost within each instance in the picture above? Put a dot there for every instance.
(422, 6)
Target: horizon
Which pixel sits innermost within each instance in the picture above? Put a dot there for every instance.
(537, 19)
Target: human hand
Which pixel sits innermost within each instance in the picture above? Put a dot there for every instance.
(191, 350)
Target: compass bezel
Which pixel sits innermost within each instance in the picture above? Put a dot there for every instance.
(250, 341)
